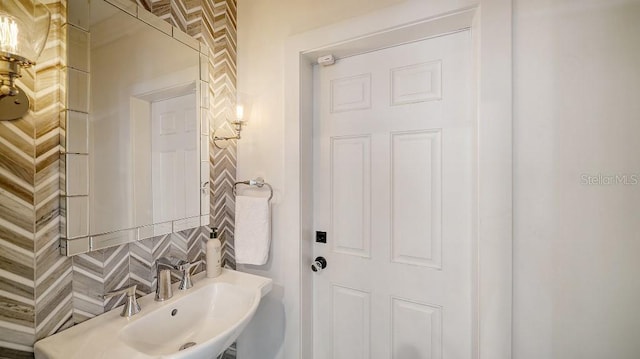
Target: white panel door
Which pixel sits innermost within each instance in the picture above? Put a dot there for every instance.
(174, 154)
(394, 190)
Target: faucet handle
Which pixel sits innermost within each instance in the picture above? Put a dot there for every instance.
(131, 306)
(171, 262)
(186, 267)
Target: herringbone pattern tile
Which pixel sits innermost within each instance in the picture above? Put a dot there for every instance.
(95, 274)
(143, 256)
(220, 29)
(187, 245)
(53, 275)
(42, 292)
(35, 283)
(223, 206)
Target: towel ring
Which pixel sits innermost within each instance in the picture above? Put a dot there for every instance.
(258, 182)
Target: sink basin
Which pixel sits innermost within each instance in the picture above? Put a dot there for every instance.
(199, 323)
(211, 316)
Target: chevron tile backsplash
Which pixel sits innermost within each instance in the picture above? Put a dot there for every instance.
(42, 292)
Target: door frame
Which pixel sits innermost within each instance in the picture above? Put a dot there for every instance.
(490, 22)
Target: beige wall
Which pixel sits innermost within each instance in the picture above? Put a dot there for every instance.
(576, 112)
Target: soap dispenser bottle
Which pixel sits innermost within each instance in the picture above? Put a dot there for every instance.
(213, 254)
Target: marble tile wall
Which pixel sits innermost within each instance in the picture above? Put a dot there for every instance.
(53, 276)
(102, 271)
(42, 292)
(35, 283)
(219, 32)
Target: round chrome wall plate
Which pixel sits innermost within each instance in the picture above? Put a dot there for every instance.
(13, 107)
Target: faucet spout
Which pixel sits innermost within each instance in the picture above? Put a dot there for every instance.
(163, 277)
(164, 266)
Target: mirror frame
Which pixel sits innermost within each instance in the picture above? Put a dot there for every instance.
(74, 138)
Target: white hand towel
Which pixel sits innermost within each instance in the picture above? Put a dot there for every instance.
(253, 230)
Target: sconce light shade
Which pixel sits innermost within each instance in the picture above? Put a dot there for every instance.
(23, 34)
(24, 26)
(239, 112)
(222, 141)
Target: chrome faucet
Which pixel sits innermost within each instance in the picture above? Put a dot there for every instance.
(164, 266)
(131, 306)
(185, 268)
(163, 277)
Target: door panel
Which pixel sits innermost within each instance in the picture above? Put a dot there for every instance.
(174, 153)
(351, 323)
(416, 214)
(351, 194)
(394, 190)
(416, 330)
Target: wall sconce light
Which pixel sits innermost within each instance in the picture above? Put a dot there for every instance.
(223, 141)
(23, 34)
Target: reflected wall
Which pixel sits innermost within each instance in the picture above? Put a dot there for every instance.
(138, 90)
(144, 162)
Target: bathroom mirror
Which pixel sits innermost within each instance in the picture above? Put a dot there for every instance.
(146, 159)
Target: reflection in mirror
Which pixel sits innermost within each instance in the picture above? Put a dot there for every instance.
(143, 121)
(144, 130)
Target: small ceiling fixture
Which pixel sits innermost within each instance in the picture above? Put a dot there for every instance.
(24, 27)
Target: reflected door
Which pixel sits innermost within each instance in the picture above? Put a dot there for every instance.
(394, 190)
(174, 156)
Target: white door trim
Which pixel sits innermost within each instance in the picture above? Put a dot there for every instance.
(490, 22)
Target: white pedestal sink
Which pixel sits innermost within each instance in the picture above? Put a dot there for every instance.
(198, 323)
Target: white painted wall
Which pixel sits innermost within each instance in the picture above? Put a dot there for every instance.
(263, 30)
(576, 109)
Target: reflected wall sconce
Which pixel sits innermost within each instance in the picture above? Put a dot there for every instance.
(222, 141)
(23, 34)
